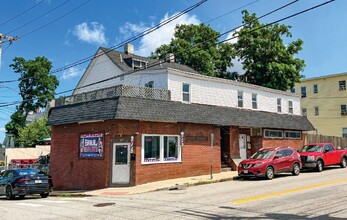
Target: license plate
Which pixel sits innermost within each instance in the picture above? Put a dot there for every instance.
(245, 171)
(38, 181)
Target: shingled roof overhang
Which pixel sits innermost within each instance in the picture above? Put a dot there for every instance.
(171, 111)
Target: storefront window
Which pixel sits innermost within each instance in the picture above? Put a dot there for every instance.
(170, 148)
(152, 148)
(161, 148)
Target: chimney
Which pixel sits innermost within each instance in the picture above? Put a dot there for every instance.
(129, 48)
(170, 58)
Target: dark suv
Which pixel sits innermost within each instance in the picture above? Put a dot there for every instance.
(269, 161)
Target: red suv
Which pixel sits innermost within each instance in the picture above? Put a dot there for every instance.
(269, 161)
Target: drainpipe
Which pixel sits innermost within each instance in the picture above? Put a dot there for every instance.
(211, 155)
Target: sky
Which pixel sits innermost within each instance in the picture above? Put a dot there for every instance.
(66, 31)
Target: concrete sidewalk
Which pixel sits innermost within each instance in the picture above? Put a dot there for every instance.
(171, 184)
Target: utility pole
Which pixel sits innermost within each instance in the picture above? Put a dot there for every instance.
(3, 39)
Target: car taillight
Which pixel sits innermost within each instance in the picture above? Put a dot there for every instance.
(22, 180)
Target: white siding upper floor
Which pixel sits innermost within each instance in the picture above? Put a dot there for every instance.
(220, 92)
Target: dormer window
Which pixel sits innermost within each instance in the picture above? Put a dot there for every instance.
(138, 64)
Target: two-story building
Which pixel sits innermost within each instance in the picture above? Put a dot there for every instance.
(324, 101)
(133, 120)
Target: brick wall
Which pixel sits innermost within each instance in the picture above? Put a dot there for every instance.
(71, 172)
(296, 144)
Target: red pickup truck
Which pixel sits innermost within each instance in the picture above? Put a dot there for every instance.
(320, 155)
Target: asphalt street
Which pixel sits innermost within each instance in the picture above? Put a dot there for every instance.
(310, 195)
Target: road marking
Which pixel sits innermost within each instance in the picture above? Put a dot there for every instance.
(254, 198)
(28, 204)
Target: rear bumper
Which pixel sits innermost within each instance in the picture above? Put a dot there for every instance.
(30, 190)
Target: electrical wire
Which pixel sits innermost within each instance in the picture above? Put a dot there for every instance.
(16, 16)
(162, 61)
(31, 21)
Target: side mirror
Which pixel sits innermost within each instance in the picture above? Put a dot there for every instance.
(276, 157)
(326, 151)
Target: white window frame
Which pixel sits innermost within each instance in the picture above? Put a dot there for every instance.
(285, 136)
(161, 149)
(344, 134)
(189, 92)
(279, 106)
(290, 107)
(238, 98)
(254, 101)
(270, 131)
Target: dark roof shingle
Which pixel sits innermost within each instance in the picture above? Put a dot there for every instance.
(171, 111)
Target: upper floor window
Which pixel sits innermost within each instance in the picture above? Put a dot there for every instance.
(186, 92)
(343, 110)
(240, 99)
(290, 107)
(279, 105)
(150, 84)
(304, 112)
(254, 101)
(138, 64)
(315, 88)
(303, 91)
(344, 132)
(292, 90)
(316, 110)
(342, 85)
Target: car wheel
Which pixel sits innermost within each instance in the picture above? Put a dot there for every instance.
(343, 162)
(9, 194)
(44, 195)
(269, 173)
(296, 169)
(319, 166)
(21, 196)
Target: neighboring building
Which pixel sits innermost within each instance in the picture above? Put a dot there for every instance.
(162, 122)
(324, 103)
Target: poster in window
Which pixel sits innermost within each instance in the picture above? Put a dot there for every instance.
(91, 145)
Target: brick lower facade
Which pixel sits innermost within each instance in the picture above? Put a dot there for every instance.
(71, 172)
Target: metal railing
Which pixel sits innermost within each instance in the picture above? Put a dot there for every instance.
(115, 91)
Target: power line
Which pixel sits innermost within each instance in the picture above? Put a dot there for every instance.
(16, 16)
(51, 22)
(146, 32)
(31, 21)
(162, 61)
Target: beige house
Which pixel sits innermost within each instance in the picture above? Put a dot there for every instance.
(324, 101)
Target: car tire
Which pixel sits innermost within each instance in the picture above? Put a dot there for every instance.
(9, 194)
(319, 166)
(21, 196)
(296, 169)
(44, 195)
(343, 162)
(269, 173)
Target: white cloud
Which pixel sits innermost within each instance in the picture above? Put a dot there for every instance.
(2, 129)
(158, 37)
(95, 34)
(72, 72)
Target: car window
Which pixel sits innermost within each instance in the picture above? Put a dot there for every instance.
(280, 153)
(8, 174)
(27, 172)
(288, 152)
(263, 154)
(312, 148)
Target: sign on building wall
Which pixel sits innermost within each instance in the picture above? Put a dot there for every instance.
(91, 145)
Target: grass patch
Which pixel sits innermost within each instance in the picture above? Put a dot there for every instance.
(73, 195)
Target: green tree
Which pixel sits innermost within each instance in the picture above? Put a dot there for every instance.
(196, 46)
(33, 133)
(37, 87)
(266, 59)
(36, 84)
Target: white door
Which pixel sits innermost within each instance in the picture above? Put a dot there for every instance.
(121, 164)
(242, 146)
